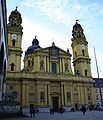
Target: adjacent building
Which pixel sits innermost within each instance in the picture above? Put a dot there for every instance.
(98, 89)
(3, 46)
(47, 78)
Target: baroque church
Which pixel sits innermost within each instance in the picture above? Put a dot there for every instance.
(47, 79)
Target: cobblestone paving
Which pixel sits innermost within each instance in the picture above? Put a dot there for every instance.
(93, 115)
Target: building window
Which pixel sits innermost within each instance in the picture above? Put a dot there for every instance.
(85, 72)
(96, 90)
(41, 65)
(77, 72)
(97, 97)
(13, 43)
(88, 97)
(75, 54)
(68, 97)
(66, 67)
(54, 68)
(28, 62)
(83, 52)
(12, 66)
(42, 96)
(11, 87)
(88, 89)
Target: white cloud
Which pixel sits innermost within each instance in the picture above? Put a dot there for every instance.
(44, 35)
(99, 57)
(65, 12)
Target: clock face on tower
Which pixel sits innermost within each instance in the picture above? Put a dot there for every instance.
(82, 46)
(14, 36)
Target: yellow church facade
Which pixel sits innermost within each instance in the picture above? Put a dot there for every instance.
(47, 78)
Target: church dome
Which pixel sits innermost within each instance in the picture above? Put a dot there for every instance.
(35, 45)
(76, 26)
(15, 12)
(15, 18)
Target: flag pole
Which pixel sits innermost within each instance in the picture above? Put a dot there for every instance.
(96, 63)
(99, 81)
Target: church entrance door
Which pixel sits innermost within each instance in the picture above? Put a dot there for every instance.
(55, 103)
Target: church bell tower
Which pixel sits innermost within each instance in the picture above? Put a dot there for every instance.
(81, 60)
(14, 41)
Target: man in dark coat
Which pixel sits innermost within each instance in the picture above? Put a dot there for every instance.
(83, 109)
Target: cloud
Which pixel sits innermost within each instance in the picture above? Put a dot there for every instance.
(44, 35)
(65, 12)
(99, 57)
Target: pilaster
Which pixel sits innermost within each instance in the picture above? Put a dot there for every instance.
(38, 94)
(45, 93)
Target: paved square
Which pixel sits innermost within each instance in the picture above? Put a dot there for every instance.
(93, 115)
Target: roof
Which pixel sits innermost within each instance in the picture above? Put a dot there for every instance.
(35, 45)
(77, 26)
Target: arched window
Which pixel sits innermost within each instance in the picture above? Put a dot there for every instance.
(96, 96)
(42, 96)
(75, 54)
(96, 90)
(11, 87)
(12, 66)
(88, 89)
(83, 52)
(13, 43)
(54, 68)
(28, 62)
(88, 97)
(85, 72)
(68, 97)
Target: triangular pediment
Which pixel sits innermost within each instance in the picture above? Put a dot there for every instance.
(52, 51)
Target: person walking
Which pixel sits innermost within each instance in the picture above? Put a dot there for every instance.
(32, 111)
(61, 110)
(83, 109)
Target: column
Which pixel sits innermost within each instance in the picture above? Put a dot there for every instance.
(85, 94)
(79, 93)
(92, 94)
(38, 94)
(23, 94)
(65, 95)
(63, 65)
(62, 95)
(27, 95)
(71, 93)
(45, 64)
(60, 66)
(48, 67)
(45, 93)
(38, 63)
(57, 67)
(49, 95)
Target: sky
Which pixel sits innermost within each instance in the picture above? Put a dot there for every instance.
(53, 20)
